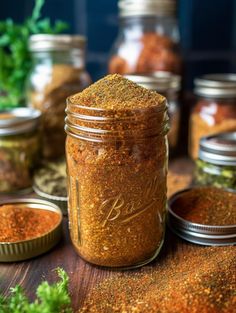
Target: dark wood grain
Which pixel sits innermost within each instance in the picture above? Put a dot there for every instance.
(83, 276)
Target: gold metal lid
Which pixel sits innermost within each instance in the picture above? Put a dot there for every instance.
(147, 7)
(47, 42)
(217, 86)
(26, 249)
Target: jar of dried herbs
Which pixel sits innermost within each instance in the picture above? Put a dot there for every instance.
(58, 71)
(167, 84)
(19, 148)
(215, 108)
(216, 165)
(117, 165)
(148, 38)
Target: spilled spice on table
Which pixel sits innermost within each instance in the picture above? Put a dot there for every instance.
(19, 223)
(207, 206)
(201, 279)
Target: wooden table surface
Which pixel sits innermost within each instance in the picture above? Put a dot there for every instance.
(83, 276)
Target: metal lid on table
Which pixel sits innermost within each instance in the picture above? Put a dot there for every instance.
(147, 7)
(46, 42)
(18, 121)
(209, 235)
(159, 81)
(216, 86)
(219, 149)
(21, 250)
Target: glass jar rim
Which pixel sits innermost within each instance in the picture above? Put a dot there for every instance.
(109, 125)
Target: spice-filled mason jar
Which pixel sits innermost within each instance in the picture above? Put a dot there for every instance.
(19, 148)
(117, 167)
(167, 84)
(58, 71)
(215, 108)
(148, 38)
(216, 164)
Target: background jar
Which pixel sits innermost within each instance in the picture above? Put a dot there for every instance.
(168, 85)
(58, 71)
(216, 165)
(214, 110)
(148, 38)
(117, 167)
(19, 148)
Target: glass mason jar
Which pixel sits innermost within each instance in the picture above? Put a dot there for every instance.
(58, 71)
(19, 148)
(215, 108)
(168, 85)
(117, 167)
(216, 165)
(148, 38)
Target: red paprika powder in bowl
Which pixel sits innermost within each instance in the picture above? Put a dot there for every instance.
(28, 228)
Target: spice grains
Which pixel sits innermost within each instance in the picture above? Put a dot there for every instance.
(207, 206)
(196, 279)
(117, 172)
(18, 223)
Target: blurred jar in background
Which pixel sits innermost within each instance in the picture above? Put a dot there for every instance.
(168, 85)
(148, 38)
(58, 72)
(20, 149)
(215, 108)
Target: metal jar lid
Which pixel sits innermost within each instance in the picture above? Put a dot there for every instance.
(219, 149)
(159, 81)
(199, 233)
(216, 86)
(26, 249)
(147, 7)
(18, 121)
(46, 42)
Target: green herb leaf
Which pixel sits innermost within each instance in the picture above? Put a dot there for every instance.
(15, 61)
(52, 298)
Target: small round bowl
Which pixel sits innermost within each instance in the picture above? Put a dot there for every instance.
(26, 249)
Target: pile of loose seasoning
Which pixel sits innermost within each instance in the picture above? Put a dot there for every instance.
(207, 206)
(116, 92)
(195, 280)
(117, 180)
(18, 223)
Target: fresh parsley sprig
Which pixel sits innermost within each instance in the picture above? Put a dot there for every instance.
(15, 61)
(53, 298)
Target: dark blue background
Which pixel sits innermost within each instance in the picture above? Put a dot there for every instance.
(207, 27)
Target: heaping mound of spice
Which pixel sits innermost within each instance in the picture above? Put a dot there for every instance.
(197, 280)
(116, 92)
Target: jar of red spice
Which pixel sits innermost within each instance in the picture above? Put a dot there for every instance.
(20, 148)
(116, 152)
(58, 71)
(148, 38)
(215, 108)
